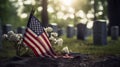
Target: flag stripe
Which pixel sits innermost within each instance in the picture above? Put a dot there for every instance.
(44, 44)
(31, 46)
(47, 39)
(48, 42)
(36, 54)
(27, 36)
(39, 44)
(36, 38)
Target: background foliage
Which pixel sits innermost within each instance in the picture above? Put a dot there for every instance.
(17, 12)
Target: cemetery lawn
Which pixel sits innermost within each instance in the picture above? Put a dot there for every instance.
(87, 46)
(74, 45)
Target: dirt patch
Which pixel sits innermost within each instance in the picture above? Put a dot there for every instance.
(77, 61)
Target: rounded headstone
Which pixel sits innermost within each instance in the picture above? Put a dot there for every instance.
(70, 31)
(100, 32)
(6, 28)
(114, 32)
(81, 31)
(55, 27)
(60, 32)
(21, 30)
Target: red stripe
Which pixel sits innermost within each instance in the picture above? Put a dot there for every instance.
(48, 43)
(47, 38)
(46, 34)
(42, 44)
(35, 52)
(45, 47)
(35, 43)
(39, 42)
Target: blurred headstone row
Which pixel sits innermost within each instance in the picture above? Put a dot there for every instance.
(99, 31)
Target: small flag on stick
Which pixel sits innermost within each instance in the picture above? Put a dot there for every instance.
(35, 37)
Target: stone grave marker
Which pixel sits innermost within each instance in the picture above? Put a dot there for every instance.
(100, 32)
(70, 31)
(114, 32)
(61, 31)
(55, 27)
(21, 29)
(81, 31)
(6, 28)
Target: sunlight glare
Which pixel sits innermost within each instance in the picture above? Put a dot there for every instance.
(24, 15)
(71, 16)
(12, 0)
(90, 24)
(28, 2)
(66, 2)
(71, 10)
(20, 3)
(99, 13)
(65, 17)
(90, 15)
(70, 25)
(60, 15)
(92, 2)
(39, 8)
(84, 21)
(50, 9)
(100, 7)
(63, 8)
(80, 14)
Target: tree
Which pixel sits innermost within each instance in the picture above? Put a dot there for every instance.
(8, 12)
(113, 14)
(44, 13)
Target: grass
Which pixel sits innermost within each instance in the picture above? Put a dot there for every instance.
(87, 47)
(7, 50)
(79, 46)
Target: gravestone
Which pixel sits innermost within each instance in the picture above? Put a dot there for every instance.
(100, 32)
(114, 32)
(6, 28)
(61, 32)
(81, 31)
(70, 31)
(55, 27)
(0, 36)
(21, 30)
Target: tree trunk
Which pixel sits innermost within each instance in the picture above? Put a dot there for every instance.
(113, 14)
(44, 13)
(95, 10)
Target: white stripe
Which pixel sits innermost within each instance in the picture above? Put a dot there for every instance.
(46, 46)
(47, 39)
(48, 42)
(40, 38)
(30, 47)
(32, 32)
(33, 46)
(37, 42)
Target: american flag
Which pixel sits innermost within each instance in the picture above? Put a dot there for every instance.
(36, 38)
